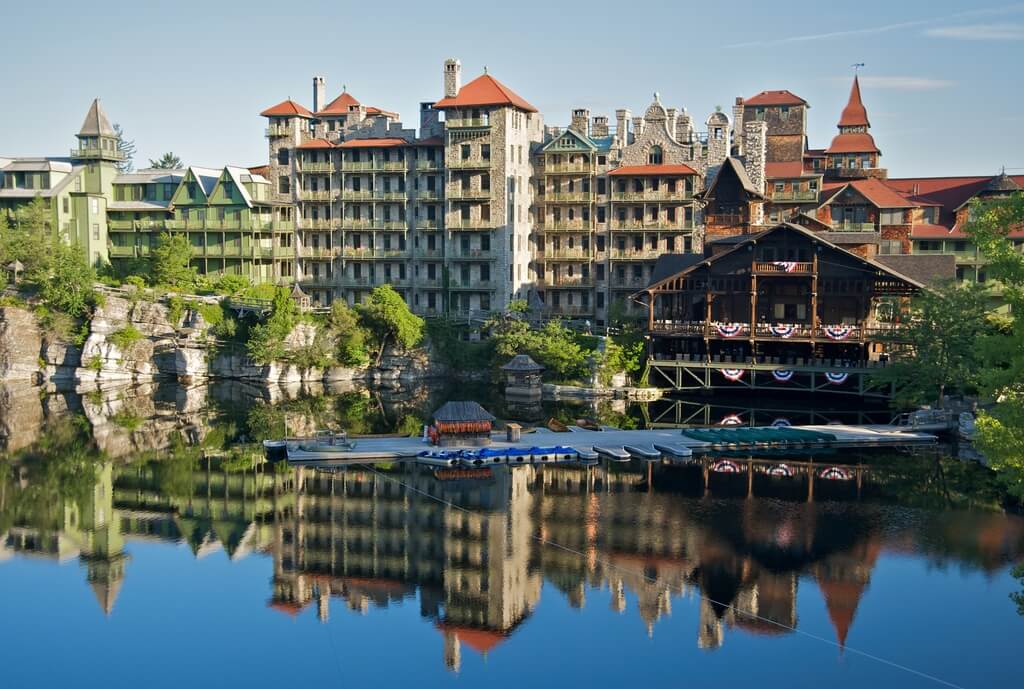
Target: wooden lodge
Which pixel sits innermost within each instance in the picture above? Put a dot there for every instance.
(783, 309)
(462, 423)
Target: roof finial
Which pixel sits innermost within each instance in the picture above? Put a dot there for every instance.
(344, 88)
(657, 97)
(485, 69)
(856, 67)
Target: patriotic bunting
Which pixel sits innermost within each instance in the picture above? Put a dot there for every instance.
(788, 266)
(835, 474)
(783, 330)
(782, 470)
(782, 375)
(725, 466)
(836, 378)
(733, 374)
(731, 420)
(729, 329)
(838, 332)
(781, 422)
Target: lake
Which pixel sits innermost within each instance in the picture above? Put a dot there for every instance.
(140, 528)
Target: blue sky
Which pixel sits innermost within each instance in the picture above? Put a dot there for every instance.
(941, 79)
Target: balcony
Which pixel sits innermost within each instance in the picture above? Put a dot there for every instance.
(356, 195)
(851, 172)
(469, 224)
(782, 268)
(567, 255)
(469, 164)
(725, 219)
(564, 282)
(473, 255)
(316, 168)
(391, 253)
(567, 197)
(850, 226)
(565, 226)
(429, 165)
(472, 284)
(317, 223)
(801, 195)
(459, 193)
(429, 253)
(276, 130)
(636, 254)
(308, 195)
(429, 283)
(96, 154)
(651, 196)
(353, 281)
(121, 251)
(428, 195)
(362, 252)
(468, 123)
(321, 252)
(629, 282)
(428, 224)
(573, 310)
(397, 196)
(348, 166)
(568, 169)
(652, 225)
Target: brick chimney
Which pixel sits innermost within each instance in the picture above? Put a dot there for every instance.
(452, 77)
(580, 121)
(599, 128)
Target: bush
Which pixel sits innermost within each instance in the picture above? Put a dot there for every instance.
(136, 282)
(175, 310)
(125, 338)
(266, 340)
(232, 284)
(95, 363)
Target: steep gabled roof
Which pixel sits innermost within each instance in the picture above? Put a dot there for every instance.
(875, 191)
(484, 90)
(741, 174)
(782, 97)
(854, 114)
(949, 192)
(96, 122)
(653, 171)
(286, 108)
(339, 106)
(860, 142)
(583, 139)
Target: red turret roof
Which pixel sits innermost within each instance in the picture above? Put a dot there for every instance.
(854, 114)
(653, 170)
(340, 105)
(480, 640)
(782, 97)
(853, 143)
(484, 90)
(286, 108)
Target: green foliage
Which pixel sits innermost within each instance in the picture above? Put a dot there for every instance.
(126, 147)
(316, 354)
(95, 363)
(266, 340)
(264, 291)
(943, 355)
(30, 240)
(518, 306)
(169, 262)
(61, 326)
(168, 161)
(1001, 438)
(125, 338)
(350, 337)
(68, 286)
(553, 346)
(456, 351)
(388, 318)
(175, 310)
(619, 315)
(232, 284)
(213, 314)
(623, 352)
(135, 281)
(1018, 596)
(127, 419)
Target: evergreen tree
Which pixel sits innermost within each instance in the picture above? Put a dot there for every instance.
(127, 149)
(169, 262)
(168, 161)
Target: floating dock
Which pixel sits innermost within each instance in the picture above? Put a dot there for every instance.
(648, 444)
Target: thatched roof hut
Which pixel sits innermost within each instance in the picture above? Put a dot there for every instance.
(463, 419)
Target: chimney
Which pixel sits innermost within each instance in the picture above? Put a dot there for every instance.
(684, 130)
(600, 126)
(452, 77)
(580, 121)
(319, 91)
(638, 126)
(622, 126)
(737, 125)
(670, 121)
(755, 146)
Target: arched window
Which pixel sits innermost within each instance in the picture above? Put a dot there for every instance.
(654, 155)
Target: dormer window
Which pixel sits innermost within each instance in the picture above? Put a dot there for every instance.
(654, 156)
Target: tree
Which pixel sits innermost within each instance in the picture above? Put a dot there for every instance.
(267, 340)
(31, 240)
(169, 262)
(126, 147)
(1001, 427)
(388, 318)
(942, 355)
(69, 287)
(168, 161)
(350, 336)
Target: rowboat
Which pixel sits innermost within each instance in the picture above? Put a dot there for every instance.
(557, 426)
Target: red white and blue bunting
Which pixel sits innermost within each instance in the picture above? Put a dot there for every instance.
(835, 474)
(783, 375)
(782, 470)
(838, 332)
(788, 266)
(781, 422)
(733, 374)
(729, 329)
(731, 420)
(725, 466)
(783, 330)
(835, 377)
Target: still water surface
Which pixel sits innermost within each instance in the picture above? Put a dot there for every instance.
(142, 544)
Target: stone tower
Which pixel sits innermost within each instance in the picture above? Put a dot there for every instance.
(718, 138)
(319, 94)
(452, 77)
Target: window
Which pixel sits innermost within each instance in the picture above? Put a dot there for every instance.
(654, 156)
(485, 151)
(284, 185)
(960, 245)
(464, 152)
(602, 160)
(95, 231)
(282, 156)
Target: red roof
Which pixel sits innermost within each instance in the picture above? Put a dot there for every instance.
(784, 170)
(373, 143)
(314, 144)
(654, 170)
(814, 153)
(853, 143)
(261, 170)
(949, 192)
(854, 114)
(286, 607)
(484, 90)
(430, 141)
(340, 105)
(782, 97)
(480, 640)
(943, 232)
(286, 108)
(875, 191)
(371, 110)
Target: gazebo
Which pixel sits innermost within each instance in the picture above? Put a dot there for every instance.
(15, 268)
(522, 377)
(300, 298)
(463, 422)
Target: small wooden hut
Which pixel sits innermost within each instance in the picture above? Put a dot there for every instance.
(522, 377)
(463, 423)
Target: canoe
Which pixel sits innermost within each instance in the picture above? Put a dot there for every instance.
(673, 450)
(557, 426)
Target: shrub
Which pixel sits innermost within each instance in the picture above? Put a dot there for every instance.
(125, 338)
(232, 284)
(136, 282)
(175, 310)
(95, 363)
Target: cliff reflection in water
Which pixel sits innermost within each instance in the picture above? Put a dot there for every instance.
(474, 552)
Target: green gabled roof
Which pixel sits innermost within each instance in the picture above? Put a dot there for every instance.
(583, 142)
(230, 179)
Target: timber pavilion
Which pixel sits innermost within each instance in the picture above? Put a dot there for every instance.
(782, 309)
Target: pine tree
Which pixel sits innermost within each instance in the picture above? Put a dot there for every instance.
(126, 147)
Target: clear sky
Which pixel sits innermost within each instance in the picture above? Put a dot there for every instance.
(941, 81)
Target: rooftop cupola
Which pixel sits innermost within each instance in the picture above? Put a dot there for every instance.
(97, 139)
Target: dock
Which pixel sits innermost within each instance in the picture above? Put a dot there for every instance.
(644, 443)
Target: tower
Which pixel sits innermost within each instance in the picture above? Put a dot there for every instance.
(99, 156)
(853, 153)
(319, 93)
(452, 77)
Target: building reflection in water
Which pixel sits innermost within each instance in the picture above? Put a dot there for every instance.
(476, 550)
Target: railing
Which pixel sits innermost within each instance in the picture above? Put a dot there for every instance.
(428, 253)
(469, 224)
(351, 281)
(308, 195)
(570, 310)
(566, 254)
(636, 254)
(428, 224)
(471, 194)
(348, 166)
(317, 223)
(353, 195)
(374, 224)
(680, 195)
(568, 283)
(783, 267)
(318, 252)
(848, 226)
(567, 168)
(630, 283)
(319, 168)
(800, 195)
(428, 195)
(472, 284)
(565, 226)
(781, 331)
(676, 226)
(93, 153)
(278, 130)
(473, 255)
(430, 283)
(566, 197)
(121, 251)
(469, 164)
(725, 219)
(851, 172)
(466, 122)
(428, 165)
